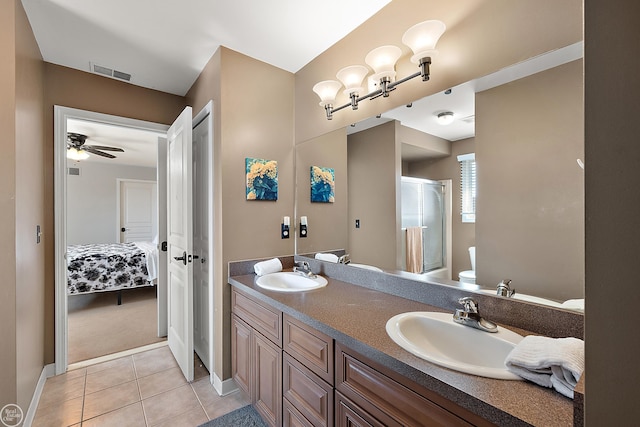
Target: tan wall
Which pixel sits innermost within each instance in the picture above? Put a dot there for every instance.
(8, 328)
(76, 89)
(374, 187)
(30, 271)
(529, 134)
(327, 227)
(612, 211)
(478, 41)
(463, 234)
(255, 119)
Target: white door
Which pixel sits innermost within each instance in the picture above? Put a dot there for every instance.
(201, 239)
(162, 237)
(180, 243)
(138, 211)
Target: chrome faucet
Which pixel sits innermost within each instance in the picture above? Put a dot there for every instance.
(503, 289)
(469, 316)
(303, 268)
(344, 259)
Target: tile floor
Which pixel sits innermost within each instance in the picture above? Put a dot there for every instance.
(143, 390)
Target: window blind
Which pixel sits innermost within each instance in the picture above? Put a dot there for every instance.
(468, 187)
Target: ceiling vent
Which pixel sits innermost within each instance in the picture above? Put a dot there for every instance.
(73, 171)
(109, 72)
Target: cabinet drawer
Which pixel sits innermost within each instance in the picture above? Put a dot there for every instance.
(309, 346)
(387, 400)
(291, 417)
(348, 414)
(309, 394)
(260, 317)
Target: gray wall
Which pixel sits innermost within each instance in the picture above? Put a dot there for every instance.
(530, 206)
(612, 174)
(92, 200)
(463, 234)
(374, 186)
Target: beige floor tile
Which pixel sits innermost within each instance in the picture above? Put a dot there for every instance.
(188, 419)
(152, 361)
(59, 414)
(109, 377)
(129, 416)
(110, 399)
(121, 362)
(60, 388)
(216, 405)
(81, 372)
(170, 404)
(160, 382)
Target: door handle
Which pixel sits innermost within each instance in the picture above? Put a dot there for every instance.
(182, 258)
(163, 246)
(123, 229)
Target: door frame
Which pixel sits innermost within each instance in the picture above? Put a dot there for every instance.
(61, 115)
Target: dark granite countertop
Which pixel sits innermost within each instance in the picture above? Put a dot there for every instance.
(356, 317)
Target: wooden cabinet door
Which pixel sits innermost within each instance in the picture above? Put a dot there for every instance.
(348, 414)
(241, 355)
(267, 387)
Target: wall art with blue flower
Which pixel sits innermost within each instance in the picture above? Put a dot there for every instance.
(262, 179)
(323, 184)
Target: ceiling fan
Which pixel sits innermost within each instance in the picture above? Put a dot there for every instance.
(77, 150)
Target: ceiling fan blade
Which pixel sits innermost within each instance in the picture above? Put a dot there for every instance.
(99, 153)
(101, 147)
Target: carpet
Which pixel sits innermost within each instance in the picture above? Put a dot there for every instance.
(243, 417)
(97, 326)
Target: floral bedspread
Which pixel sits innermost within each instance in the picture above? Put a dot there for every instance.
(105, 267)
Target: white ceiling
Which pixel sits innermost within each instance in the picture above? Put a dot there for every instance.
(165, 44)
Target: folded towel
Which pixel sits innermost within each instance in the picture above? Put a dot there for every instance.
(265, 267)
(414, 249)
(549, 362)
(327, 257)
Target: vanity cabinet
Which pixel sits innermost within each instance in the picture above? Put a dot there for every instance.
(256, 354)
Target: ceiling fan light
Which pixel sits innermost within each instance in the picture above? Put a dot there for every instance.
(422, 39)
(75, 154)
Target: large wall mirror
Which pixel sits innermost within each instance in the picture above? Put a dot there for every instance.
(402, 170)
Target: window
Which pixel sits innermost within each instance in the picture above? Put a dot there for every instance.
(468, 187)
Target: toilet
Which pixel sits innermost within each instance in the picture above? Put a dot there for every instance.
(469, 276)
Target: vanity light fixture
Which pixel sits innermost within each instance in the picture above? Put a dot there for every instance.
(445, 118)
(421, 38)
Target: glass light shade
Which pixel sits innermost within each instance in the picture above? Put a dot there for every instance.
(445, 118)
(327, 91)
(383, 61)
(422, 39)
(352, 77)
(75, 154)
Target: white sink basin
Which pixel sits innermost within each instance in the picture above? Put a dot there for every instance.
(437, 338)
(288, 281)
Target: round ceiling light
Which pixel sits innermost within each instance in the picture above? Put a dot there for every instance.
(445, 118)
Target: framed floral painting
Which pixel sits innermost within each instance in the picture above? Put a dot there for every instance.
(323, 184)
(262, 179)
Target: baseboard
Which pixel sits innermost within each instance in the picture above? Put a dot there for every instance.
(47, 372)
(223, 387)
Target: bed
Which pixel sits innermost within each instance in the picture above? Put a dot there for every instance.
(102, 267)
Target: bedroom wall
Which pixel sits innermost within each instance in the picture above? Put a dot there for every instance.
(92, 214)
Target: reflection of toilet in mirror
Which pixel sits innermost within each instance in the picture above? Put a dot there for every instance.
(469, 276)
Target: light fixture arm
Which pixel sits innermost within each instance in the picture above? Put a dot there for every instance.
(386, 86)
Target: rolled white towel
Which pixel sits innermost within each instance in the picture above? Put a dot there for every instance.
(549, 362)
(574, 304)
(327, 257)
(265, 267)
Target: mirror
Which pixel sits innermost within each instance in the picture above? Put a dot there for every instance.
(527, 134)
